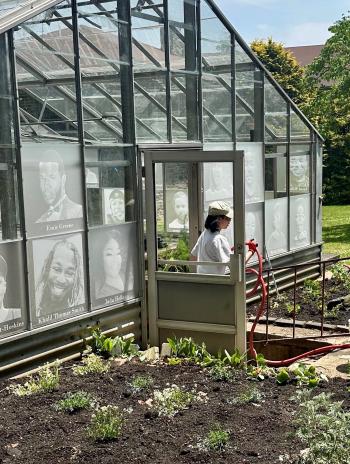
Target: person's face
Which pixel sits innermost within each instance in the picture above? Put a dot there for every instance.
(250, 226)
(117, 208)
(62, 272)
(2, 288)
(181, 208)
(298, 166)
(300, 217)
(112, 259)
(224, 222)
(51, 182)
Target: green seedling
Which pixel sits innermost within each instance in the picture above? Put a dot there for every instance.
(106, 423)
(171, 401)
(282, 377)
(74, 402)
(92, 364)
(216, 439)
(141, 382)
(46, 380)
(108, 347)
(252, 395)
(306, 376)
(221, 373)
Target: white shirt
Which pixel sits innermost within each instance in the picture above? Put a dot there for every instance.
(212, 246)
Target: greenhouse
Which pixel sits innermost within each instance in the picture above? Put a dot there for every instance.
(122, 120)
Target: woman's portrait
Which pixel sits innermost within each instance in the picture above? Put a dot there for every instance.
(112, 263)
(276, 212)
(180, 208)
(60, 284)
(300, 221)
(218, 182)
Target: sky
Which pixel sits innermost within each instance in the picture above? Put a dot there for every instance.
(292, 22)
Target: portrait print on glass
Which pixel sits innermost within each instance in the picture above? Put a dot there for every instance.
(177, 210)
(12, 299)
(299, 221)
(218, 182)
(114, 206)
(254, 171)
(52, 188)
(113, 265)
(253, 225)
(59, 287)
(276, 235)
(299, 174)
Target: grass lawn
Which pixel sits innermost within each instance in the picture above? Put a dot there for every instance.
(336, 230)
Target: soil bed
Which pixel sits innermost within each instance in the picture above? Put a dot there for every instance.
(258, 433)
(308, 309)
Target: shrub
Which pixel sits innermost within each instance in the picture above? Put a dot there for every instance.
(324, 427)
(75, 402)
(46, 381)
(106, 423)
(92, 364)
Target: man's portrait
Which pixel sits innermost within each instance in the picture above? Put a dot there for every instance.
(177, 211)
(276, 226)
(53, 189)
(300, 221)
(114, 206)
(58, 271)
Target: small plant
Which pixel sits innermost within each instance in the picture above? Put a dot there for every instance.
(306, 376)
(278, 301)
(236, 359)
(341, 274)
(108, 347)
(141, 382)
(221, 373)
(290, 308)
(92, 364)
(252, 395)
(312, 289)
(170, 401)
(46, 381)
(75, 402)
(282, 377)
(175, 361)
(260, 371)
(187, 348)
(334, 312)
(324, 427)
(216, 439)
(106, 423)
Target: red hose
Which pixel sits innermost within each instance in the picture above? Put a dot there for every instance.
(253, 248)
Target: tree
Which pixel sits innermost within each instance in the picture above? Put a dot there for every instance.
(283, 67)
(330, 110)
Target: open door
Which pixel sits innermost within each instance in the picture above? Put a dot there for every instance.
(179, 186)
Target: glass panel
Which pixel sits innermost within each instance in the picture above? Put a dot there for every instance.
(249, 98)
(44, 51)
(12, 285)
(318, 199)
(110, 178)
(300, 160)
(276, 226)
(275, 114)
(254, 224)
(182, 34)
(254, 171)
(57, 283)
(184, 107)
(150, 108)
(275, 171)
(148, 37)
(299, 130)
(113, 265)
(299, 221)
(52, 186)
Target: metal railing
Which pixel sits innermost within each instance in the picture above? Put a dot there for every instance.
(297, 275)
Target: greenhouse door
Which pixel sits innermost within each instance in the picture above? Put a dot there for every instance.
(179, 186)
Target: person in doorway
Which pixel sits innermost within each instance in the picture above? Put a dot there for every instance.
(53, 188)
(6, 314)
(212, 245)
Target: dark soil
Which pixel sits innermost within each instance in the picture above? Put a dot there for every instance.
(33, 432)
(309, 309)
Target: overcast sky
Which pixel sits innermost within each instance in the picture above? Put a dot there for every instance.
(293, 22)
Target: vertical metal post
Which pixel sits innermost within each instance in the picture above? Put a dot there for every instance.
(288, 172)
(199, 65)
(80, 119)
(258, 106)
(267, 305)
(168, 71)
(323, 291)
(233, 88)
(294, 299)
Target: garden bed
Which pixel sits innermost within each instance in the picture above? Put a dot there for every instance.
(32, 431)
(308, 301)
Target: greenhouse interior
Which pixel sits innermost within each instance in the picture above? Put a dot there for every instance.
(122, 120)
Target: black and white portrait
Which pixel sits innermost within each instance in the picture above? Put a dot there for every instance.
(113, 269)
(300, 221)
(113, 206)
(12, 299)
(254, 171)
(276, 226)
(218, 182)
(299, 174)
(58, 278)
(253, 224)
(52, 188)
(177, 210)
